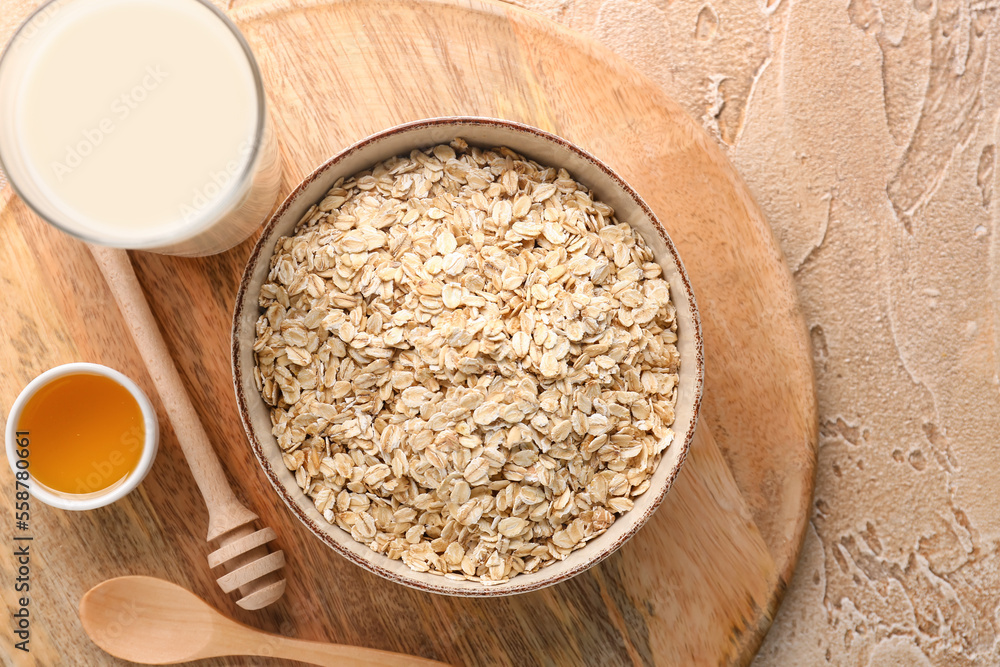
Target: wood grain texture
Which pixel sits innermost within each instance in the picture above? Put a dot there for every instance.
(698, 585)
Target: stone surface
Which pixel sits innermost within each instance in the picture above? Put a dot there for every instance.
(867, 131)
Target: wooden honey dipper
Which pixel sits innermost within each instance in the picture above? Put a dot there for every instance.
(242, 551)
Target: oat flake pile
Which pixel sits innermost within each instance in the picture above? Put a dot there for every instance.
(471, 363)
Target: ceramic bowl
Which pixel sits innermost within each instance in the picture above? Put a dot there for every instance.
(19, 457)
(546, 149)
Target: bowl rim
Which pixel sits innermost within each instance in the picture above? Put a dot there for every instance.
(368, 563)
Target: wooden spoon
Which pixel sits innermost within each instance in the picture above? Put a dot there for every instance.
(155, 622)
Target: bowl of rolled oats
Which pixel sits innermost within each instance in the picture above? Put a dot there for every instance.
(468, 357)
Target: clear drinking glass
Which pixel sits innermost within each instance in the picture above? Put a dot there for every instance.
(138, 124)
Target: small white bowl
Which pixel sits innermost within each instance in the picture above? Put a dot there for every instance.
(88, 501)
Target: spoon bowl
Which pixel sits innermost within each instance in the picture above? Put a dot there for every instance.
(140, 619)
(155, 622)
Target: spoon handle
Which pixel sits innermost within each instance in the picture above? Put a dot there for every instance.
(225, 511)
(338, 655)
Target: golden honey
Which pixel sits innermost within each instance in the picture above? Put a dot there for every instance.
(86, 433)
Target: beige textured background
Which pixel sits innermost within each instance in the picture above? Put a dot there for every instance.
(866, 130)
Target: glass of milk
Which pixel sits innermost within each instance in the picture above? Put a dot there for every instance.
(138, 124)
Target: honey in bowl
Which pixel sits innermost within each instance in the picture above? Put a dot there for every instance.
(86, 433)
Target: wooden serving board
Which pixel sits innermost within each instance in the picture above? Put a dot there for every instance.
(698, 585)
